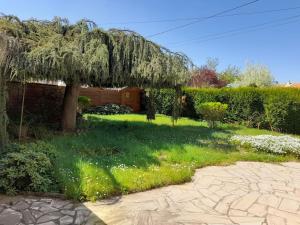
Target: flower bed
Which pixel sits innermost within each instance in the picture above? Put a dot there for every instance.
(269, 143)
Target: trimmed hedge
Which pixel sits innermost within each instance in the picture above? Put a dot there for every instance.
(275, 108)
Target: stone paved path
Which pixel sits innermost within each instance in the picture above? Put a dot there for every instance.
(247, 193)
(45, 211)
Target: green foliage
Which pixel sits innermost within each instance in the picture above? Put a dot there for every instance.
(282, 113)
(27, 168)
(246, 105)
(167, 101)
(84, 53)
(164, 100)
(230, 74)
(109, 109)
(272, 108)
(41, 131)
(212, 112)
(253, 107)
(9, 62)
(83, 102)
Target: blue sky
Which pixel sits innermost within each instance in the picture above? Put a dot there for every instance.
(275, 45)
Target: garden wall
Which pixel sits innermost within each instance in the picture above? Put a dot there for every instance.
(45, 101)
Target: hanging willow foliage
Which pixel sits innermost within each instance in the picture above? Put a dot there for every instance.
(82, 53)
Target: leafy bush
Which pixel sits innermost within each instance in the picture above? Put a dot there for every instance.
(27, 168)
(212, 112)
(269, 143)
(109, 109)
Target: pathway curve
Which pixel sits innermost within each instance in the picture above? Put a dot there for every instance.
(245, 193)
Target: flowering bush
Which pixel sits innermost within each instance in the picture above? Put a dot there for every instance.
(269, 143)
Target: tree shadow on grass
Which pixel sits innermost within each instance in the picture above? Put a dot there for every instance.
(133, 144)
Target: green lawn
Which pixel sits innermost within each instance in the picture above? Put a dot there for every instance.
(125, 153)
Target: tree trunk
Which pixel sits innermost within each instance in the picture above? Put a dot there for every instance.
(150, 107)
(22, 109)
(70, 107)
(3, 115)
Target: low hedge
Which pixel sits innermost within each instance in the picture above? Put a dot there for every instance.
(275, 108)
(109, 109)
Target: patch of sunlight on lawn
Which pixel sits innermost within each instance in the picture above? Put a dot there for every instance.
(126, 153)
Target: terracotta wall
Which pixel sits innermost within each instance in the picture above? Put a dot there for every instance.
(126, 96)
(43, 99)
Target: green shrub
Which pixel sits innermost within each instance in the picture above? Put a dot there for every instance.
(212, 112)
(274, 108)
(164, 101)
(109, 109)
(194, 98)
(27, 168)
(283, 114)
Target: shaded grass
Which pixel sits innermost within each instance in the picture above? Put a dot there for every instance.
(125, 153)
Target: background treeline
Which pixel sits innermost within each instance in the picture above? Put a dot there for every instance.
(273, 108)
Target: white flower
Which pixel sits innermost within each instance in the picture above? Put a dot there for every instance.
(277, 144)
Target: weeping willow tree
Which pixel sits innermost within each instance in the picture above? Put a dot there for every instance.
(81, 53)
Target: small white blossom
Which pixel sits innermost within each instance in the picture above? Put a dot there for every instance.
(269, 143)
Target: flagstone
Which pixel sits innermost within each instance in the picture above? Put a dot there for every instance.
(247, 193)
(258, 210)
(289, 205)
(246, 201)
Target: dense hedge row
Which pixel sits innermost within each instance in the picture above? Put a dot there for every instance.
(272, 108)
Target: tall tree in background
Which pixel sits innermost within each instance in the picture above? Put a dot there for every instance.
(212, 63)
(207, 75)
(204, 77)
(255, 75)
(230, 75)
